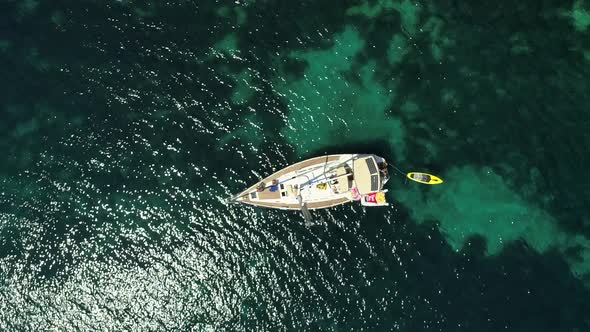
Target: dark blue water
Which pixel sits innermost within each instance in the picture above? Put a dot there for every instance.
(124, 124)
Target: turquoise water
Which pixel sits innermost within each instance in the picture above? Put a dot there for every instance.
(124, 123)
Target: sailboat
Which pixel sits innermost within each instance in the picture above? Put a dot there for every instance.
(320, 183)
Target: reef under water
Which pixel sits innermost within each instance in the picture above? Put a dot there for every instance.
(125, 124)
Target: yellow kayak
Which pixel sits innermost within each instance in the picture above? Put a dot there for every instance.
(424, 178)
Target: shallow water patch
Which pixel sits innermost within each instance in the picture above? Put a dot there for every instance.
(477, 201)
(334, 104)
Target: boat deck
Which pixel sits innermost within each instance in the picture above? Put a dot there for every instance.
(284, 195)
(321, 182)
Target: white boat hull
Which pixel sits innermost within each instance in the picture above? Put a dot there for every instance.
(319, 183)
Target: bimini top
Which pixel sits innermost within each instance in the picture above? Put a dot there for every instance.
(367, 175)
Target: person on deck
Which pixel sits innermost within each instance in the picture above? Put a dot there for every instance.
(274, 186)
(383, 169)
(260, 187)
